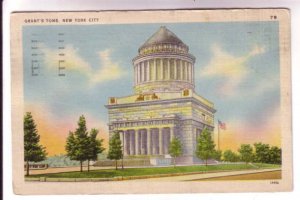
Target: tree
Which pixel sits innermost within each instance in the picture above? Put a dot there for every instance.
(115, 148)
(246, 152)
(175, 149)
(94, 146)
(205, 146)
(262, 153)
(275, 155)
(230, 156)
(78, 143)
(217, 155)
(33, 151)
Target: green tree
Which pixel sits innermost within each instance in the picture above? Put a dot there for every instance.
(175, 149)
(275, 155)
(262, 152)
(78, 143)
(205, 146)
(115, 148)
(33, 151)
(230, 156)
(94, 147)
(246, 153)
(217, 155)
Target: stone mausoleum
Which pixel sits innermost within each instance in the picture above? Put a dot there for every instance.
(164, 104)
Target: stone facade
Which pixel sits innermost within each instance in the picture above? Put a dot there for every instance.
(164, 104)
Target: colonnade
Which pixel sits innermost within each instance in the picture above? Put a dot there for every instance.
(148, 141)
(163, 69)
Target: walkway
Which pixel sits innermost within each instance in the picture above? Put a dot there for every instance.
(195, 177)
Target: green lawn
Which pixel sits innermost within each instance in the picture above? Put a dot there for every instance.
(109, 173)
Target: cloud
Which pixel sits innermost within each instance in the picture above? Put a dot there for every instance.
(108, 70)
(231, 70)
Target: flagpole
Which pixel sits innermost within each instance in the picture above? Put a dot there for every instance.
(218, 136)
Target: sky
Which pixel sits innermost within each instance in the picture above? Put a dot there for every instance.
(237, 68)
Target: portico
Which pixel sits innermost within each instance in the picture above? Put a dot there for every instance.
(146, 141)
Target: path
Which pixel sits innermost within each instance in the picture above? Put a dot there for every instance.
(194, 177)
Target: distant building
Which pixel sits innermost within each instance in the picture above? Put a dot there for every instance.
(164, 103)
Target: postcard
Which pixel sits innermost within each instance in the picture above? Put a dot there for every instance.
(162, 101)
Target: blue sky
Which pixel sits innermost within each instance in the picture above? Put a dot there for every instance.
(237, 68)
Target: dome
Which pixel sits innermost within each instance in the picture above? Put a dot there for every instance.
(163, 36)
(163, 64)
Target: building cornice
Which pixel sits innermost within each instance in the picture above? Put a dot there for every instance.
(162, 101)
(183, 56)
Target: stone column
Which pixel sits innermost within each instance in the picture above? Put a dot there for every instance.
(187, 71)
(160, 141)
(149, 142)
(196, 138)
(141, 142)
(137, 73)
(135, 78)
(162, 69)
(192, 73)
(190, 67)
(131, 141)
(140, 72)
(122, 137)
(153, 142)
(154, 70)
(175, 69)
(136, 134)
(148, 72)
(181, 70)
(169, 70)
(171, 133)
(184, 70)
(125, 133)
(143, 72)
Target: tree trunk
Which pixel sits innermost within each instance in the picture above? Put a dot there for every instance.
(88, 165)
(206, 162)
(80, 166)
(174, 162)
(27, 168)
(116, 164)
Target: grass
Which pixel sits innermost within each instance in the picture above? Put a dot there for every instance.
(110, 173)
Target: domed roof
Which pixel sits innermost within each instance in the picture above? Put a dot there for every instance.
(162, 36)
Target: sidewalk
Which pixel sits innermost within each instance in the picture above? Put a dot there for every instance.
(206, 175)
